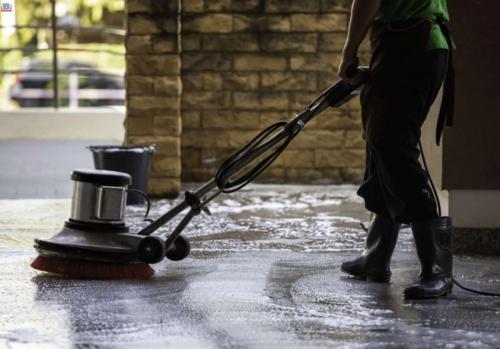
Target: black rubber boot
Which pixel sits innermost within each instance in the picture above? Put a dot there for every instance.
(374, 263)
(434, 241)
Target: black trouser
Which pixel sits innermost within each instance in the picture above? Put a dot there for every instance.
(404, 81)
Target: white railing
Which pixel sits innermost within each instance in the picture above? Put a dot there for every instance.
(73, 93)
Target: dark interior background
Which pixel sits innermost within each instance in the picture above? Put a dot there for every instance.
(471, 155)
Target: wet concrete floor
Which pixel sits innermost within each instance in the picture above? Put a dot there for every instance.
(263, 273)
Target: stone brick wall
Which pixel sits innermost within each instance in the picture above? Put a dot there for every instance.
(243, 64)
(248, 63)
(153, 86)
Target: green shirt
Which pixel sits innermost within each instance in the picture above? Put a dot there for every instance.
(401, 10)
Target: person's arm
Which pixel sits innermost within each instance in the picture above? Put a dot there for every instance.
(362, 14)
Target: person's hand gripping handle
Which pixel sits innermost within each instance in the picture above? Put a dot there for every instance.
(348, 70)
(363, 13)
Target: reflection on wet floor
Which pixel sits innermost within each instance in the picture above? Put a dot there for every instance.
(263, 273)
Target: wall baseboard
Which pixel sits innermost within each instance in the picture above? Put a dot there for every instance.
(473, 241)
(475, 208)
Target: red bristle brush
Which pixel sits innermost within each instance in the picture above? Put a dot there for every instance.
(92, 270)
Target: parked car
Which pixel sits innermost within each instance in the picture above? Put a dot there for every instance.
(80, 84)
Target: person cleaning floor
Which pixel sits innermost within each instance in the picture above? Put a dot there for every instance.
(411, 57)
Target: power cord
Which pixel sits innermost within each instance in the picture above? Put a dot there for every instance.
(438, 205)
(244, 165)
(267, 139)
(148, 202)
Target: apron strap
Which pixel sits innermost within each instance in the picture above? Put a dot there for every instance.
(448, 103)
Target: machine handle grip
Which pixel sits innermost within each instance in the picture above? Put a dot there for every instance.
(355, 72)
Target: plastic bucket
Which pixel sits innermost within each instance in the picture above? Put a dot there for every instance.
(134, 160)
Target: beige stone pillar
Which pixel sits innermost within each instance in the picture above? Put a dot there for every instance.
(153, 88)
(248, 63)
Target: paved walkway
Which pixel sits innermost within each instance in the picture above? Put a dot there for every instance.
(40, 169)
(263, 273)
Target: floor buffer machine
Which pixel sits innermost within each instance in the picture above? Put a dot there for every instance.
(97, 243)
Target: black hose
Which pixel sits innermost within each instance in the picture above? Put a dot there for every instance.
(258, 146)
(272, 137)
(438, 205)
(146, 197)
(433, 187)
(482, 293)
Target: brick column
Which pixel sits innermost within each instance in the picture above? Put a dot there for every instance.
(154, 87)
(247, 63)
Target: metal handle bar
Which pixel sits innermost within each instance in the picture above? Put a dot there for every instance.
(334, 96)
